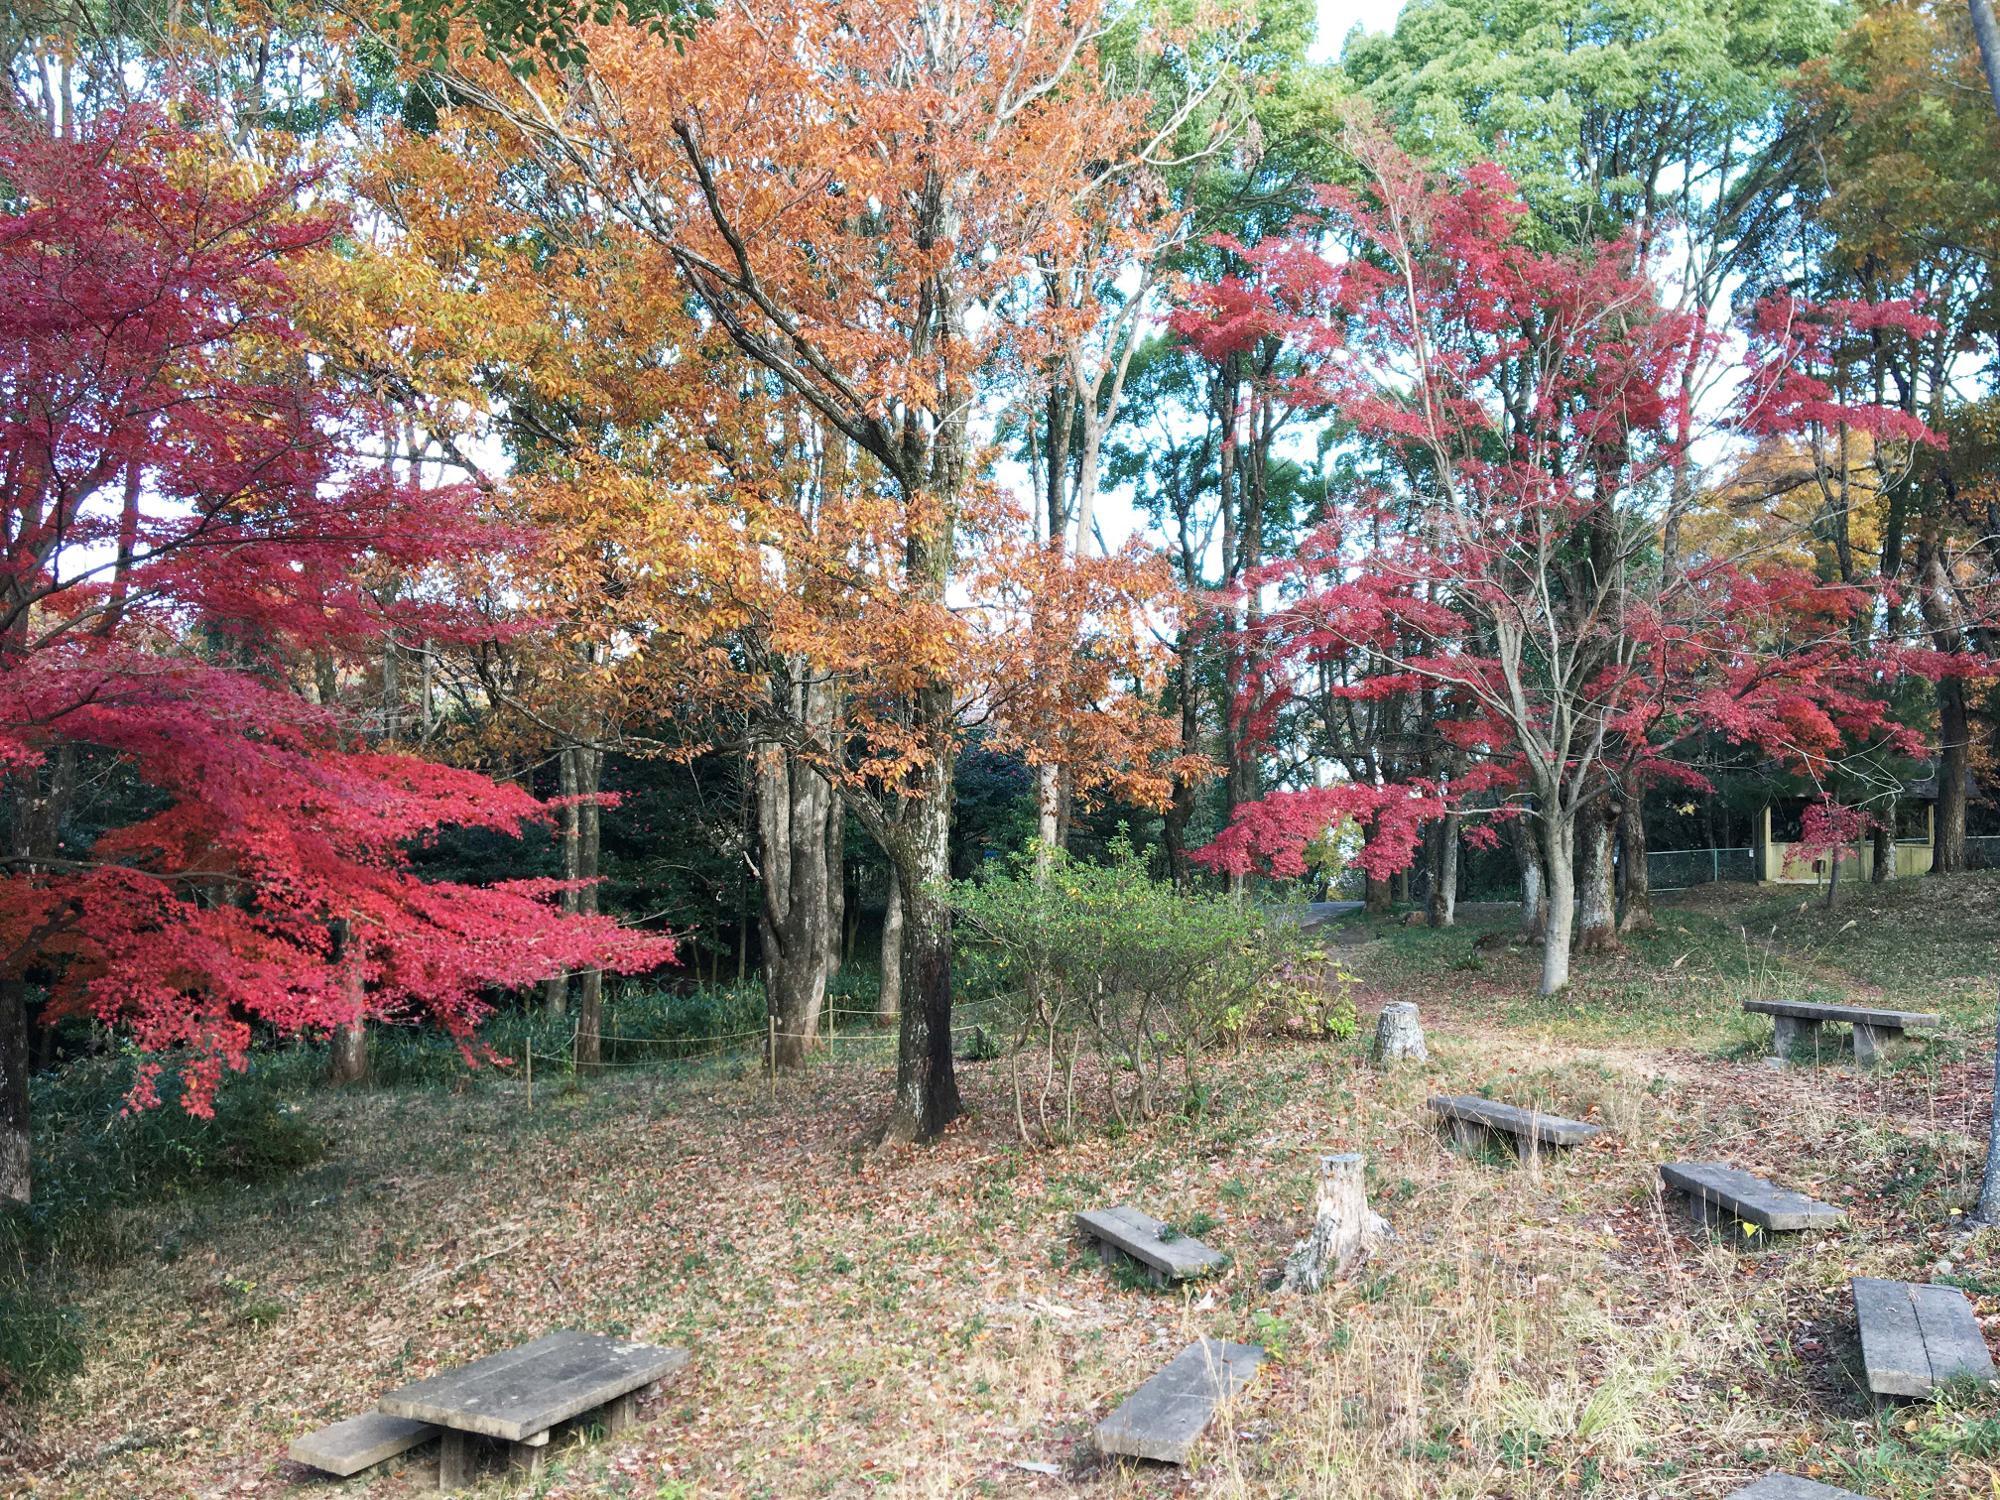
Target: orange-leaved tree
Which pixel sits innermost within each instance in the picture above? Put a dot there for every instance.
(854, 197)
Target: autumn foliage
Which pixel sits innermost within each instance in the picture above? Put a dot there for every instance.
(1528, 414)
(188, 515)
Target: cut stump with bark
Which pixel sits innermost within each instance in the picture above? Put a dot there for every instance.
(1399, 1034)
(1343, 1229)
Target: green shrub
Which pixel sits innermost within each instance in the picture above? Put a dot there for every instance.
(1104, 956)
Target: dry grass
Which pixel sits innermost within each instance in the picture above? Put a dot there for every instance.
(919, 1325)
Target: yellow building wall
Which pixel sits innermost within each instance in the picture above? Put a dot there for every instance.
(1785, 864)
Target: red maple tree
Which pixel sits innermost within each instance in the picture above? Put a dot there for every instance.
(1523, 409)
(187, 512)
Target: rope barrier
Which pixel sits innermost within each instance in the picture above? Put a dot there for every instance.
(715, 1044)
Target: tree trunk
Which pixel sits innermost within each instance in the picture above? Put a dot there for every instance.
(889, 1001)
(793, 805)
(555, 989)
(1988, 1210)
(1399, 1034)
(836, 884)
(1048, 817)
(15, 1178)
(1343, 1226)
(347, 1062)
(1883, 842)
(1375, 896)
(1987, 34)
(927, 1097)
(589, 776)
(1558, 839)
(1441, 909)
(1597, 912)
(1528, 857)
(1637, 881)
(1954, 734)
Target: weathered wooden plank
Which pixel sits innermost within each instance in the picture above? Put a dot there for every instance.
(1162, 1419)
(528, 1390)
(1137, 1234)
(1892, 1346)
(359, 1442)
(1791, 1487)
(1812, 1010)
(1950, 1329)
(1551, 1130)
(1749, 1197)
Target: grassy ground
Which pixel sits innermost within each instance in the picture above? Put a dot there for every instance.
(925, 1324)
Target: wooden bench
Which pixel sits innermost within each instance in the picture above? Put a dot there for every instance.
(1162, 1419)
(1150, 1243)
(1795, 1026)
(1725, 1196)
(1472, 1119)
(360, 1443)
(519, 1396)
(1791, 1487)
(1915, 1336)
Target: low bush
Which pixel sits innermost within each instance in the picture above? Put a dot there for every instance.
(1103, 956)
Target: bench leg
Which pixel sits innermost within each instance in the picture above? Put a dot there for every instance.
(621, 1414)
(1870, 1044)
(455, 1457)
(1724, 1225)
(1467, 1136)
(1527, 1148)
(525, 1459)
(1791, 1035)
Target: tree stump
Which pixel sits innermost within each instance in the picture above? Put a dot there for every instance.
(1344, 1227)
(1399, 1034)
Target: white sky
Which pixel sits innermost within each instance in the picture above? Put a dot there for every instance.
(1338, 17)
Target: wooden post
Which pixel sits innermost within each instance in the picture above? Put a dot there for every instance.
(771, 1052)
(531, 1078)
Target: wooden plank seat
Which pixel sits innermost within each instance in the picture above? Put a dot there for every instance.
(1162, 1419)
(1150, 1243)
(1914, 1336)
(1791, 1487)
(1472, 1119)
(360, 1443)
(1725, 1196)
(518, 1396)
(1795, 1026)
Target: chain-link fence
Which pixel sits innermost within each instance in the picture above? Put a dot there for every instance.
(1678, 869)
(1982, 852)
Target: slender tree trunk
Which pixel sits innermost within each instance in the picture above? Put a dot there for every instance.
(1048, 816)
(1558, 840)
(347, 1061)
(1988, 36)
(15, 1178)
(1637, 881)
(889, 1001)
(1954, 736)
(1882, 841)
(1987, 1212)
(555, 989)
(1528, 858)
(1442, 906)
(589, 777)
(1180, 811)
(793, 806)
(927, 1098)
(836, 884)
(1597, 910)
